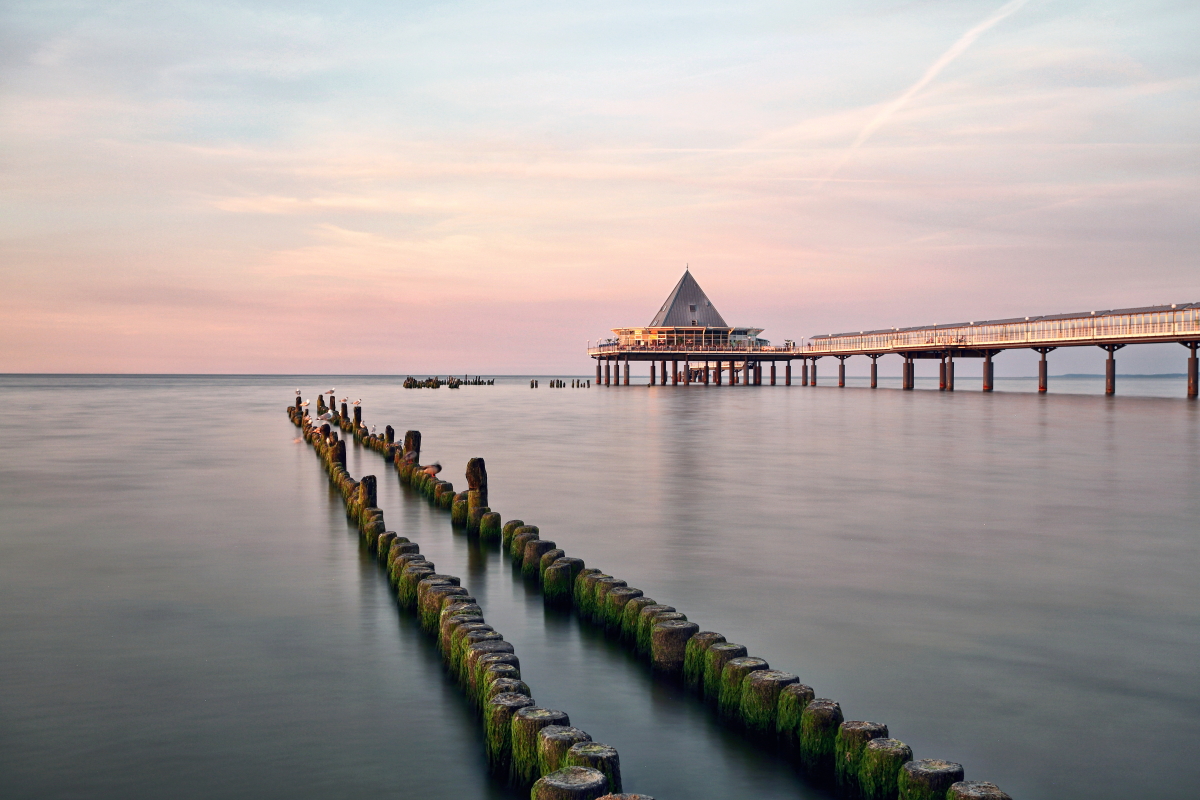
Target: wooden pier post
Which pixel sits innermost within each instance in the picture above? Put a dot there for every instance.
(344, 413)
(874, 372)
(787, 373)
(987, 371)
(950, 372)
(674, 373)
(1192, 376)
(653, 376)
(1110, 368)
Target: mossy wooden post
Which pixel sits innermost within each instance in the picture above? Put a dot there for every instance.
(570, 783)
(852, 739)
(792, 701)
(458, 510)
(476, 651)
(406, 588)
(389, 434)
(553, 743)
(598, 756)
(585, 586)
(412, 446)
(468, 615)
(715, 658)
(927, 779)
(505, 685)
(403, 560)
(729, 701)
(520, 537)
(548, 558)
(645, 620)
(693, 658)
(477, 492)
(470, 635)
(648, 623)
(668, 644)
(526, 724)
(431, 605)
(489, 673)
(976, 790)
(489, 528)
(760, 699)
(383, 545)
(506, 533)
(630, 615)
(498, 715)
(531, 559)
(818, 736)
(879, 768)
(475, 517)
(614, 607)
(458, 645)
(556, 584)
(600, 597)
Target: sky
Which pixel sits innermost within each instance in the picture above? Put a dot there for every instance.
(455, 187)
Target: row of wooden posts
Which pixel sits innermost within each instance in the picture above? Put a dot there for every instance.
(856, 757)
(526, 745)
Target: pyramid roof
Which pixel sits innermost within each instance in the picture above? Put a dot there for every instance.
(688, 306)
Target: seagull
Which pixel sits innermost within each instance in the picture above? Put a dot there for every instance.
(433, 469)
(304, 404)
(331, 391)
(357, 402)
(297, 391)
(326, 416)
(372, 429)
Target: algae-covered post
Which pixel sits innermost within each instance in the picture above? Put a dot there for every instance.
(853, 736)
(928, 779)
(477, 493)
(526, 724)
(570, 783)
(412, 445)
(668, 644)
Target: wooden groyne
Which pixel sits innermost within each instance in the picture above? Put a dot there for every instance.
(526, 745)
(854, 758)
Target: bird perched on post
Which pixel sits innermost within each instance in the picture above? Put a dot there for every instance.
(357, 402)
(433, 469)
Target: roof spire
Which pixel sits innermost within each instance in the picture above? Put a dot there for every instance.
(688, 307)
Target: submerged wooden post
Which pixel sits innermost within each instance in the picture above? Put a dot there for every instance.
(976, 790)
(477, 493)
(879, 768)
(526, 724)
(570, 783)
(553, 743)
(928, 779)
(498, 728)
(412, 445)
(668, 645)
(818, 737)
(760, 699)
(597, 756)
(852, 739)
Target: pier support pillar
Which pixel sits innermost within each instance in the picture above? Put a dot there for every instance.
(1042, 371)
(757, 373)
(597, 372)
(653, 376)
(787, 373)
(908, 381)
(842, 371)
(626, 370)
(942, 375)
(1110, 368)
(950, 372)
(662, 377)
(687, 373)
(732, 376)
(674, 373)
(987, 371)
(874, 372)
(772, 373)
(608, 372)
(1192, 376)
(813, 376)
(717, 374)
(804, 372)
(706, 371)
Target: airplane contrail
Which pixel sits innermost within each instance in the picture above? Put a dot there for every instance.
(956, 50)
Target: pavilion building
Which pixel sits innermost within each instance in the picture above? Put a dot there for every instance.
(689, 331)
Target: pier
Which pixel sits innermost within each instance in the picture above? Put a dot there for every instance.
(689, 335)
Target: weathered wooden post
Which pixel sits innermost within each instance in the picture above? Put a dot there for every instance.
(531, 557)
(477, 493)
(792, 701)
(818, 737)
(729, 700)
(389, 434)
(526, 724)
(760, 699)
(412, 444)
(928, 779)
(976, 790)
(693, 658)
(570, 783)
(852, 739)
(668, 645)
(716, 657)
(553, 743)
(599, 757)
(879, 768)
(357, 417)
(498, 717)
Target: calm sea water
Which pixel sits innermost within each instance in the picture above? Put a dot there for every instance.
(1007, 580)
